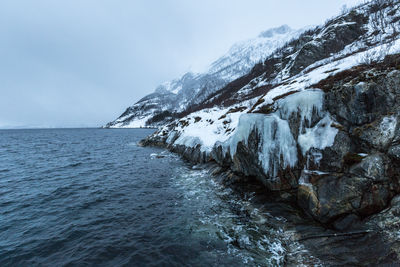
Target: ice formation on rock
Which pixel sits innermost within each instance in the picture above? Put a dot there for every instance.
(277, 146)
(320, 136)
(304, 103)
(276, 140)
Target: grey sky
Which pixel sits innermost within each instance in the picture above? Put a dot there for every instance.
(82, 62)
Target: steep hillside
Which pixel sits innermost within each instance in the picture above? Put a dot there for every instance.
(191, 89)
(318, 119)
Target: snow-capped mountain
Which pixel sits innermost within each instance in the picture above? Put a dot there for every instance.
(174, 97)
(244, 55)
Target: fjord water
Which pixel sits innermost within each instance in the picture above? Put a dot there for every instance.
(93, 197)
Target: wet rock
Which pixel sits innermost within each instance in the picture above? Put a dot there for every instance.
(338, 196)
(192, 154)
(350, 221)
(388, 223)
(332, 157)
(328, 197)
(307, 198)
(223, 159)
(380, 133)
(356, 177)
(244, 162)
(394, 152)
(153, 140)
(372, 167)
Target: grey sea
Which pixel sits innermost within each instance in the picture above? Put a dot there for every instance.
(93, 197)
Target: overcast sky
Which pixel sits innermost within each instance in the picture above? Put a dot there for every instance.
(74, 63)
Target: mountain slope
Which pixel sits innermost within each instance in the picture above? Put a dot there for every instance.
(191, 89)
(319, 118)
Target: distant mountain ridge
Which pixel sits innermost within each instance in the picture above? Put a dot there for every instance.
(176, 96)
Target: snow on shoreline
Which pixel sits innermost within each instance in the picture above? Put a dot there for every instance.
(219, 126)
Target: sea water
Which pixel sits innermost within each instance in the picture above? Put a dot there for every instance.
(93, 197)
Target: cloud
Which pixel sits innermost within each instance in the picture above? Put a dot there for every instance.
(74, 63)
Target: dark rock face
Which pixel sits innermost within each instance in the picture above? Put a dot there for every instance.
(193, 154)
(360, 171)
(342, 184)
(355, 176)
(334, 37)
(387, 222)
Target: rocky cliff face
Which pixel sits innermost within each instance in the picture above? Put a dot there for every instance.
(318, 119)
(359, 173)
(339, 154)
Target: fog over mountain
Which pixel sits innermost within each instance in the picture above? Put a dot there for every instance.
(192, 88)
(81, 63)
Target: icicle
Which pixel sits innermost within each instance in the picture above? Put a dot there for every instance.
(277, 148)
(276, 141)
(304, 103)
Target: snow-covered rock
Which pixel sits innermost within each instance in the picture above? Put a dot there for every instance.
(310, 115)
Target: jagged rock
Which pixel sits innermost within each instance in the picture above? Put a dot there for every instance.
(333, 196)
(356, 183)
(332, 157)
(346, 180)
(334, 38)
(380, 133)
(372, 167)
(388, 223)
(193, 154)
(364, 102)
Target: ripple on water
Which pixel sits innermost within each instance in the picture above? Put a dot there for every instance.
(93, 197)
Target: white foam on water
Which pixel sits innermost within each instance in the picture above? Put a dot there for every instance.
(227, 217)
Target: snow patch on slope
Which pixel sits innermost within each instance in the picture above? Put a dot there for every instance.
(136, 123)
(243, 55)
(208, 130)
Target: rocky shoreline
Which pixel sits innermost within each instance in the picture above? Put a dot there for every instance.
(374, 240)
(349, 187)
(317, 125)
